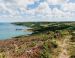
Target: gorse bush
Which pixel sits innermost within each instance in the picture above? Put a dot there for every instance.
(2, 55)
(33, 44)
(46, 51)
(73, 56)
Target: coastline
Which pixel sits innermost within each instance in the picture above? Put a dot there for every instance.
(39, 43)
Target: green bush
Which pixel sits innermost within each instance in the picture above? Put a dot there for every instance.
(46, 52)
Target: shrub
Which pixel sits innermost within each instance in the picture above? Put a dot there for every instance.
(73, 56)
(46, 52)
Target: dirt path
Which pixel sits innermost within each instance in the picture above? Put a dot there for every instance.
(63, 48)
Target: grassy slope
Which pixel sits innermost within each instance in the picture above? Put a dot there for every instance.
(49, 41)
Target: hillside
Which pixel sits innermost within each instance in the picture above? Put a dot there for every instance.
(49, 40)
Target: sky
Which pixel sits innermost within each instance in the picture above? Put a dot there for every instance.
(37, 10)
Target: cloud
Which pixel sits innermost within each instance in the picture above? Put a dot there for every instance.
(55, 1)
(36, 9)
(69, 7)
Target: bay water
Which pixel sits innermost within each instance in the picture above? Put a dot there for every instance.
(8, 30)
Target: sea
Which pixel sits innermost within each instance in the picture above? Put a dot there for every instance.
(8, 31)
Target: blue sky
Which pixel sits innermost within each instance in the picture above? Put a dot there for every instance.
(37, 10)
